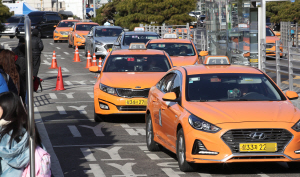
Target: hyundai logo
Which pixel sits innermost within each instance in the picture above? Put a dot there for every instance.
(257, 135)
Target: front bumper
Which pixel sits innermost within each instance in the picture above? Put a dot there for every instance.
(214, 142)
(102, 49)
(11, 32)
(58, 36)
(116, 104)
(79, 42)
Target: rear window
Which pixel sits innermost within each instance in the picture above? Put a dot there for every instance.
(108, 32)
(65, 24)
(174, 49)
(138, 38)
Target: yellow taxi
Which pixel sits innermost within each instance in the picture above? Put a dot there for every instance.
(78, 33)
(62, 30)
(222, 113)
(182, 51)
(125, 78)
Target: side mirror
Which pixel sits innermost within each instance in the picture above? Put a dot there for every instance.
(94, 69)
(291, 95)
(71, 29)
(203, 53)
(170, 96)
(54, 26)
(277, 34)
(116, 44)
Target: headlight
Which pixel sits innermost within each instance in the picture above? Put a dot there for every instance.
(78, 36)
(98, 43)
(32, 27)
(296, 127)
(107, 89)
(202, 125)
(55, 31)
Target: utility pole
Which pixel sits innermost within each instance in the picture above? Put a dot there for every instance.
(84, 9)
(94, 8)
(56, 5)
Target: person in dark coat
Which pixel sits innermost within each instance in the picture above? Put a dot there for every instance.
(37, 48)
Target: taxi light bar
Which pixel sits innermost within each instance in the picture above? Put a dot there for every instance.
(139, 29)
(170, 36)
(216, 60)
(137, 46)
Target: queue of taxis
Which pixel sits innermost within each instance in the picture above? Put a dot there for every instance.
(222, 113)
(62, 29)
(182, 51)
(79, 32)
(125, 79)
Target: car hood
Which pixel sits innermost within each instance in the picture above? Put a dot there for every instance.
(62, 28)
(82, 32)
(272, 39)
(106, 40)
(244, 111)
(183, 60)
(130, 79)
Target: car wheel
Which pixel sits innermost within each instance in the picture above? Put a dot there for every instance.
(98, 117)
(69, 45)
(55, 41)
(11, 37)
(293, 165)
(85, 52)
(151, 144)
(180, 152)
(0, 36)
(73, 46)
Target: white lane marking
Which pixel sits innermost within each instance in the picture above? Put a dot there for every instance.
(137, 131)
(88, 154)
(95, 170)
(80, 108)
(80, 55)
(205, 175)
(97, 129)
(52, 95)
(94, 82)
(116, 144)
(91, 94)
(68, 95)
(126, 169)
(67, 53)
(58, 47)
(69, 83)
(74, 102)
(62, 58)
(73, 129)
(61, 109)
(56, 71)
(143, 148)
(51, 43)
(127, 126)
(155, 157)
(171, 173)
(55, 166)
(113, 153)
(168, 164)
(80, 82)
(45, 62)
(62, 120)
(261, 174)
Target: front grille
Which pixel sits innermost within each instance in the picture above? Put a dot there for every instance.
(258, 157)
(64, 33)
(21, 28)
(108, 46)
(131, 108)
(270, 45)
(129, 93)
(234, 137)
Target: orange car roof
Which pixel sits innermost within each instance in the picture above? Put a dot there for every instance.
(210, 69)
(87, 23)
(170, 41)
(70, 20)
(138, 52)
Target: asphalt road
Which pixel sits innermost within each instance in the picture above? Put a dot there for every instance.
(81, 147)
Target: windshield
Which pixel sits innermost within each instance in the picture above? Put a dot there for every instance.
(108, 32)
(269, 32)
(34, 19)
(231, 87)
(66, 24)
(84, 27)
(138, 38)
(137, 63)
(13, 19)
(174, 49)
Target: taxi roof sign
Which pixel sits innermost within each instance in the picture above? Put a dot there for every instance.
(137, 46)
(216, 60)
(170, 36)
(139, 29)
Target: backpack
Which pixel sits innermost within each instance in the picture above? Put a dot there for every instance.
(36, 83)
(42, 164)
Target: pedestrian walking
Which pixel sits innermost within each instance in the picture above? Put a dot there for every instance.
(37, 48)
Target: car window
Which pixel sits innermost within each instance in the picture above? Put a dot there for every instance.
(128, 39)
(167, 83)
(57, 18)
(174, 49)
(50, 18)
(65, 24)
(137, 63)
(36, 19)
(13, 20)
(107, 32)
(84, 27)
(176, 85)
(269, 32)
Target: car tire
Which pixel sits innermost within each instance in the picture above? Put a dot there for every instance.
(98, 117)
(293, 165)
(69, 45)
(151, 144)
(11, 37)
(55, 41)
(180, 152)
(0, 36)
(73, 46)
(85, 52)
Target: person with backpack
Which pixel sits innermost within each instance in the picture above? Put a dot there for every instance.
(3, 85)
(10, 83)
(37, 48)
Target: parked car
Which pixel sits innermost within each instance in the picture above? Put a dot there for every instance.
(11, 26)
(101, 38)
(44, 21)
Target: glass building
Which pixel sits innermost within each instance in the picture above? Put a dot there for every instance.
(231, 29)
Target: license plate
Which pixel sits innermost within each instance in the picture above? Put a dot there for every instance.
(258, 147)
(110, 49)
(253, 60)
(65, 35)
(136, 102)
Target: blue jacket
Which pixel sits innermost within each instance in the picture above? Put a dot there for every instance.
(3, 85)
(13, 158)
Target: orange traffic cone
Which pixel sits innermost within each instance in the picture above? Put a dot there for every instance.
(89, 60)
(94, 61)
(107, 51)
(100, 63)
(54, 62)
(59, 82)
(76, 48)
(77, 58)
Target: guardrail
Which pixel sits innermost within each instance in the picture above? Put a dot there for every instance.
(283, 53)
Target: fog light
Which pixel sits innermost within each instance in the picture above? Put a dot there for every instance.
(56, 36)
(104, 106)
(208, 152)
(297, 152)
(199, 148)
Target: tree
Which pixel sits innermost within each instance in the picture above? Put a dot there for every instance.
(283, 11)
(4, 14)
(106, 12)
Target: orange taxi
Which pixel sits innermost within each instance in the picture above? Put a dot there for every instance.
(79, 32)
(221, 113)
(62, 30)
(182, 51)
(125, 79)
(271, 38)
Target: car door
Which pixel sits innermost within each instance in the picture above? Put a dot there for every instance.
(88, 42)
(171, 111)
(43, 25)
